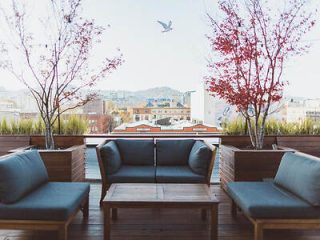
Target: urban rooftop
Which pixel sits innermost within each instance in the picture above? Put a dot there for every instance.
(136, 120)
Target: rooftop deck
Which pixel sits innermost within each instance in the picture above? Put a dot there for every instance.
(166, 224)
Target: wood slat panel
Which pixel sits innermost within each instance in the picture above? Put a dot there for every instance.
(66, 165)
(306, 144)
(60, 141)
(8, 143)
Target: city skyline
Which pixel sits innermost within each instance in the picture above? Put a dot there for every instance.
(176, 59)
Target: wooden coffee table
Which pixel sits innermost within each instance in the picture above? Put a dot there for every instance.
(149, 195)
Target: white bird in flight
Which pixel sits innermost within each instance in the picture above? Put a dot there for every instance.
(166, 27)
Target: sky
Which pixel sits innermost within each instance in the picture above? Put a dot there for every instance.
(177, 58)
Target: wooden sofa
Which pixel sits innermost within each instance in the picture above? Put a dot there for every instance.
(291, 201)
(154, 161)
(29, 202)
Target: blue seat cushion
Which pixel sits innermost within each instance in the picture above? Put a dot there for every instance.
(300, 174)
(199, 158)
(110, 157)
(133, 174)
(136, 152)
(52, 201)
(173, 152)
(20, 174)
(266, 200)
(177, 174)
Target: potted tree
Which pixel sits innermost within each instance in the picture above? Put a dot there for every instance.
(251, 45)
(52, 58)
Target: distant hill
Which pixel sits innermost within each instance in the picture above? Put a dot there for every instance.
(159, 92)
(138, 98)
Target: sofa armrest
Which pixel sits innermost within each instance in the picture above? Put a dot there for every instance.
(212, 160)
(102, 163)
(201, 159)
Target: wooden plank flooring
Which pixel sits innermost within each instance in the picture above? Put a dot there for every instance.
(160, 224)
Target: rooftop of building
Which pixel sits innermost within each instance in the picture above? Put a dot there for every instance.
(173, 125)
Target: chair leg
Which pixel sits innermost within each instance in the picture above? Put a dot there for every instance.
(104, 190)
(63, 233)
(103, 194)
(85, 209)
(258, 231)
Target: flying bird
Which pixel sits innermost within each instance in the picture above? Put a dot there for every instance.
(166, 27)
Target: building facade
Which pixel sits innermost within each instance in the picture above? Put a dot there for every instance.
(299, 110)
(156, 113)
(180, 127)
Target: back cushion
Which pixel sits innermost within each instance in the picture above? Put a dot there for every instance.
(136, 152)
(300, 174)
(173, 152)
(20, 174)
(199, 158)
(110, 157)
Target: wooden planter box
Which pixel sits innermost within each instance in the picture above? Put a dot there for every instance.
(244, 141)
(248, 165)
(67, 165)
(63, 165)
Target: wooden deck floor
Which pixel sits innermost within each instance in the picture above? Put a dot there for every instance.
(163, 224)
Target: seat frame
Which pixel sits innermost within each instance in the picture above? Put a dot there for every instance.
(260, 223)
(60, 226)
(106, 184)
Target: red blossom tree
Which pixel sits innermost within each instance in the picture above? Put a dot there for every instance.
(55, 56)
(251, 44)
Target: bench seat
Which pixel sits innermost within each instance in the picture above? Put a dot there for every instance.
(133, 174)
(178, 174)
(53, 201)
(266, 200)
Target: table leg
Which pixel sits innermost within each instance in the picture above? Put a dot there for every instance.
(214, 222)
(258, 232)
(107, 224)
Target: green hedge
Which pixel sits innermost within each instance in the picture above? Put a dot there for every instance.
(71, 125)
(274, 127)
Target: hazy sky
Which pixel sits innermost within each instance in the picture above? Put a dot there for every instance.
(177, 58)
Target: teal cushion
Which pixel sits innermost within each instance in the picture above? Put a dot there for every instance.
(266, 200)
(177, 174)
(199, 158)
(110, 157)
(52, 201)
(300, 174)
(20, 174)
(173, 152)
(136, 152)
(133, 174)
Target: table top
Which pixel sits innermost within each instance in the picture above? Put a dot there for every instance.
(135, 193)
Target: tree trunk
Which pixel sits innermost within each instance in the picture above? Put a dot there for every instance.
(49, 137)
(59, 121)
(253, 137)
